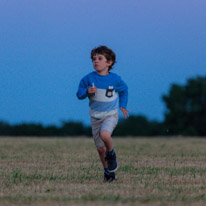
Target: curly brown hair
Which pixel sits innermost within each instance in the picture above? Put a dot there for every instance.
(108, 53)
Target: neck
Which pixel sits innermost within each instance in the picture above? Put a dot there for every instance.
(103, 73)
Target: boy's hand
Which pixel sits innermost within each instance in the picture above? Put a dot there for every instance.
(92, 90)
(125, 112)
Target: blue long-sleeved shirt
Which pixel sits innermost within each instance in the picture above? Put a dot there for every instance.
(111, 93)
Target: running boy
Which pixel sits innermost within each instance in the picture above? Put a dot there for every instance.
(101, 87)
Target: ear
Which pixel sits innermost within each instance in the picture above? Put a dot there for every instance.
(109, 62)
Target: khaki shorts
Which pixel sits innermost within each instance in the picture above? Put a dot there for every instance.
(107, 123)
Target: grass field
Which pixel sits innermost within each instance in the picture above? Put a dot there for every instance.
(67, 171)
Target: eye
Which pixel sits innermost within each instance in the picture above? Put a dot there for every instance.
(100, 58)
(94, 58)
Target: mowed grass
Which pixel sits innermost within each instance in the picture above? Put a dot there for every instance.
(67, 171)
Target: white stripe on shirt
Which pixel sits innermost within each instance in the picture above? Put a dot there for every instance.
(100, 96)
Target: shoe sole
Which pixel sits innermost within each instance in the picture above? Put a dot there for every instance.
(114, 169)
(111, 180)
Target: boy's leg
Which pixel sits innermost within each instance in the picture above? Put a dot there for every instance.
(102, 155)
(108, 176)
(110, 153)
(97, 126)
(107, 128)
(106, 138)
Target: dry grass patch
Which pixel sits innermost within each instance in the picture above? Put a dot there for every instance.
(62, 171)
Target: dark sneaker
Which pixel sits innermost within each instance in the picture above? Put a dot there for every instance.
(112, 162)
(109, 177)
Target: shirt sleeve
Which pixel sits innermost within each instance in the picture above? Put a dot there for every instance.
(122, 89)
(82, 90)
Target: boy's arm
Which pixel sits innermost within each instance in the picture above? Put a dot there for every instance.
(82, 90)
(122, 89)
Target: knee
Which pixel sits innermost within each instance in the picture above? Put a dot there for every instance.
(105, 135)
(101, 150)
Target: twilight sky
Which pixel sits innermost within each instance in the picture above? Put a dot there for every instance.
(45, 51)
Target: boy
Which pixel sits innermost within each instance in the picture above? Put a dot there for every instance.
(101, 87)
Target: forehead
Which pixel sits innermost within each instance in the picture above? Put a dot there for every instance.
(98, 55)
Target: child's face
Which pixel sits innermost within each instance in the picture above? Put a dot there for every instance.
(100, 64)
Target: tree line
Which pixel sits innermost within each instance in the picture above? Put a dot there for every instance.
(185, 114)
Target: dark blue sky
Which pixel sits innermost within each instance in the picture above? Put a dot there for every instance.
(45, 51)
